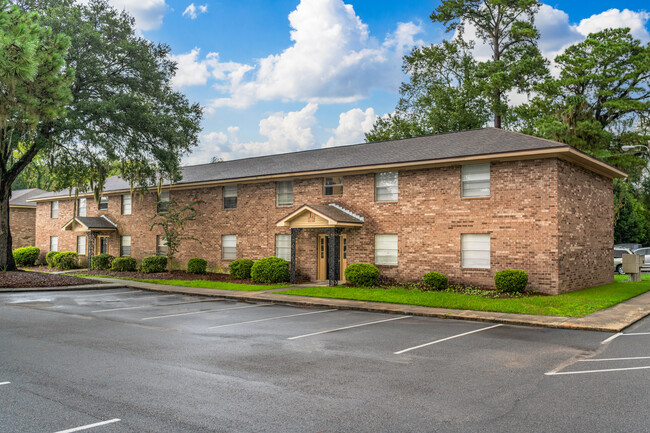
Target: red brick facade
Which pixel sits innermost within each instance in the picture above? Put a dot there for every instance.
(548, 217)
(22, 221)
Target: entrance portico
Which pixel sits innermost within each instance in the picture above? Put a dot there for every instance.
(98, 230)
(332, 247)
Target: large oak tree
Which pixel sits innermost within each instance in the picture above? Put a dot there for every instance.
(123, 107)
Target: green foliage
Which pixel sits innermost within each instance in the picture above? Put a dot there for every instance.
(66, 260)
(362, 275)
(26, 256)
(101, 262)
(172, 222)
(631, 216)
(436, 280)
(511, 281)
(124, 264)
(508, 28)
(441, 95)
(270, 270)
(240, 268)
(197, 265)
(49, 258)
(34, 91)
(154, 264)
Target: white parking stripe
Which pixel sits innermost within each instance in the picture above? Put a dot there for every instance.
(5, 383)
(109, 294)
(607, 340)
(271, 318)
(636, 333)
(142, 306)
(445, 339)
(204, 311)
(550, 373)
(615, 359)
(86, 427)
(347, 327)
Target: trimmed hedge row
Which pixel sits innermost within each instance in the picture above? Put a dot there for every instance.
(65, 260)
(154, 264)
(197, 266)
(124, 264)
(436, 281)
(101, 262)
(511, 280)
(26, 256)
(241, 269)
(270, 270)
(362, 275)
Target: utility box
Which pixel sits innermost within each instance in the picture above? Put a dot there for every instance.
(632, 266)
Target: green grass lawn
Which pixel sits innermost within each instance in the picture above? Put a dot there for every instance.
(575, 304)
(203, 284)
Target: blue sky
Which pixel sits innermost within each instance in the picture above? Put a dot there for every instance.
(284, 75)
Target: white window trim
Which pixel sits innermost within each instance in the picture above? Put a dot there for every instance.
(230, 188)
(287, 257)
(476, 174)
(79, 207)
(228, 256)
(473, 244)
(122, 245)
(277, 194)
(396, 186)
(56, 241)
(379, 258)
(130, 204)
(54, 208)
(85, 245)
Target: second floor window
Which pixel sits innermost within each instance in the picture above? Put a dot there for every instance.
(475, 179)
(126, 204)
(163, 202)
(82, 207)
(386, 186)
(54, 210)
(284, 193)
(230, 197)
(333, 186)
(103, 203)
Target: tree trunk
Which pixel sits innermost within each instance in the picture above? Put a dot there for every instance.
(6, 257)
(497, 120)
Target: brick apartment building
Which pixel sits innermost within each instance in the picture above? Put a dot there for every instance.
(467, 204)
(22, 217)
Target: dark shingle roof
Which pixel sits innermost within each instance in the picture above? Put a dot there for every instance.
(96, 222)
(19, 197)
(474, 142)
(336, 213)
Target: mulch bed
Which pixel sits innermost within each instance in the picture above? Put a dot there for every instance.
(20, 279)
(173, 275)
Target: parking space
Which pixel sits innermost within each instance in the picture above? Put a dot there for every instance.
(146, 361)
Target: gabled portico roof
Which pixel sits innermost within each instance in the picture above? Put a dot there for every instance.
(320, 216)
(85, 224)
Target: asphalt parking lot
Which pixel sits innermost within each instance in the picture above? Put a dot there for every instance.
(124, 360)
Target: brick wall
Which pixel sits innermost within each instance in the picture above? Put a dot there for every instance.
(586, 228)
(23, 226)
(521, 216)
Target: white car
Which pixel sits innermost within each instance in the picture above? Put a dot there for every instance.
(618, 258)
(645, 251)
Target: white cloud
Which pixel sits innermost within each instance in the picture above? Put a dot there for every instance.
(190, 72)
(332, 59)
(284, 132)
(194, 11)
(352, 127)
(615, 18)
(148, 14)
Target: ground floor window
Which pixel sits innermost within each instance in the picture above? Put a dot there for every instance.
(283, 247)
(125, 246)
(161, 247)
(54, 243)
(386, 249)
(81, 245)
(475, 250)
(229, 247)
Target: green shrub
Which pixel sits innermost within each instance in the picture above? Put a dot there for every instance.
(49, 258)
(154, 264)
(270, 270)
(101, 262)
(66, 260)
(362, 275)
(196, 265)
(436, 280)
(26, 256)
(124, 264)
(511, 281)
(241, 268)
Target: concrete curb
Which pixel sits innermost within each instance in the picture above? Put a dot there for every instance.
(613, 319)
(93, 286)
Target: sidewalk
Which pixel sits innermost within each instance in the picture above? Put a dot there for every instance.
(613, 319)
